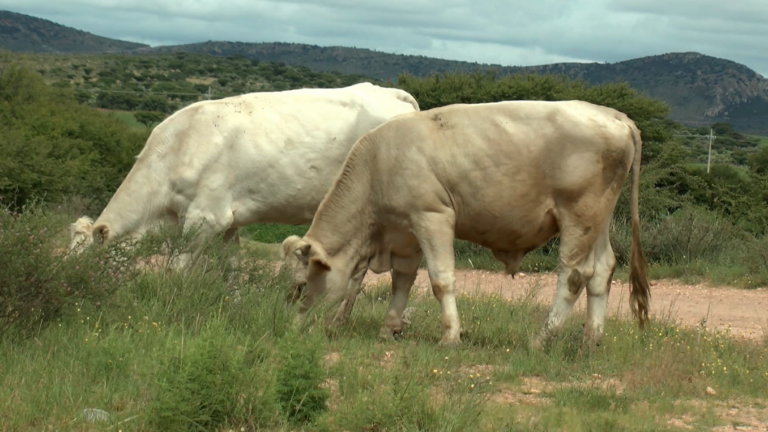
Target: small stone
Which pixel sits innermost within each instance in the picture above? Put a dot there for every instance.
(711, 391)
(95, 414)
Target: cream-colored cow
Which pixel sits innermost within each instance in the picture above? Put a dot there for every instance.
(256, 158)
(508, 176)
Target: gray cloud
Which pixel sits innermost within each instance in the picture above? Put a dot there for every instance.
(509, 32)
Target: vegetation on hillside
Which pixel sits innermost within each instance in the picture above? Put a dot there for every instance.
(699, 89)
(53, 147)
(167, 83)
(678, 198)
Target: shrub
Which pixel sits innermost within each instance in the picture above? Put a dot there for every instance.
(148, 118)
(202, 386)
(299, 378)
(52, 146)
(755, 260)
(37, 285)
(155, 103)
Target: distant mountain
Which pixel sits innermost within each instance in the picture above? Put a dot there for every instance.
(24, 33)
(700, 89)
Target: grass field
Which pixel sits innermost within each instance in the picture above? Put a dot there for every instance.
(174, 352)
(125, 116)
(743, 171)
(763, 139)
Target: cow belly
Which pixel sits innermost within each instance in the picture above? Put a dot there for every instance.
(510, 232)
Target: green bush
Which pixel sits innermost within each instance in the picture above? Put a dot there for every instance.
(299, 379)
(202, 387)
(37, 285)
(52, 146)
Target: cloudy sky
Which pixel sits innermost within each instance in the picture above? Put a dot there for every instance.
(508, 32)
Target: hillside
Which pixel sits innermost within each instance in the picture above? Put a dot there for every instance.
(165, 83)
(346, 60)
(700, 89)
(24, 33)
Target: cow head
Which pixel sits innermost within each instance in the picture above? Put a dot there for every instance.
(313, 273)
(295, 257)
(80, 233)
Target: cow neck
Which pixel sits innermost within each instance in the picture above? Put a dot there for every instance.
(343, 220)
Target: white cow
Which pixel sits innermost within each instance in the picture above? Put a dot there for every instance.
(255, 158)
(508, 176)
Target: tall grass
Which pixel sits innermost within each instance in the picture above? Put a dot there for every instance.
(181, 352)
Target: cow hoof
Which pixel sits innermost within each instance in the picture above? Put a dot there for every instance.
(537, 344)
(449, 342)
(387, 334)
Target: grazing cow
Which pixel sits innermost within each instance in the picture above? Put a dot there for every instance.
(255, 158)
(508, 176)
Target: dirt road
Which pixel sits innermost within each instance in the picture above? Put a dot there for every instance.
(745, 310)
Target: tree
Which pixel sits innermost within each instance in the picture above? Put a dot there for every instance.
(758, 162)
(52, 147)
(148, 118)
(155, 103)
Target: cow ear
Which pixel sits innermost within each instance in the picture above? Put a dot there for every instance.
(294, 244)
(319, 259)
(302, 252)
(102, 232)
(320, 262)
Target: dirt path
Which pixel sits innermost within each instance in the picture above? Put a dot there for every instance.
(745, 310)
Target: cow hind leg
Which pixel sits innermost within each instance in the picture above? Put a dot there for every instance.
(576, 268)
(599, 288)
(435, 232)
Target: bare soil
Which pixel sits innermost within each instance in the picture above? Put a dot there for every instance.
(746, 311)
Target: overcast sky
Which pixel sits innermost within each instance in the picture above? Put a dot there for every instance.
(507, 32)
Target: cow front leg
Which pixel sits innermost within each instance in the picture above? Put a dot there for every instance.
(205, 225)
(401, 289)
(232, 243)
(353, 290)
(403, 275)
(436, 234)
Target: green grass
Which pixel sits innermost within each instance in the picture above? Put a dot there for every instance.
(115, 360)
(741, 170)
(763, 139)
(176, 352)
(125, 116)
